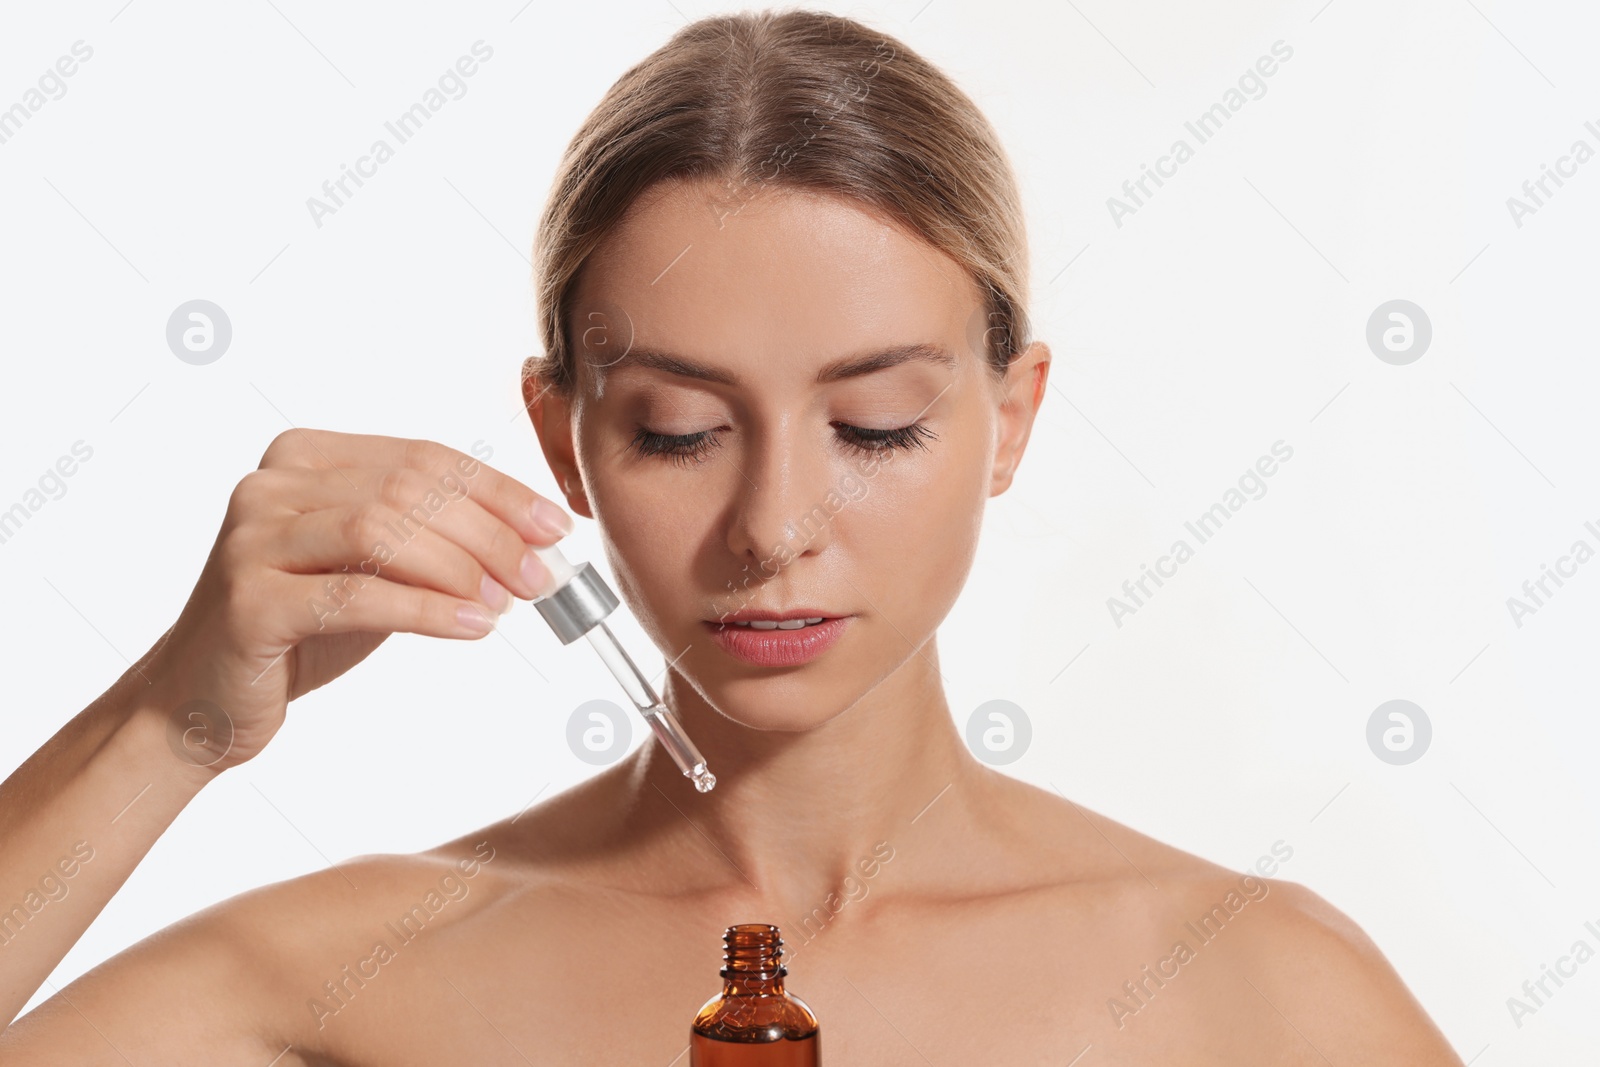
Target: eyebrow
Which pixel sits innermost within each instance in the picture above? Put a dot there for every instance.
(838, 370)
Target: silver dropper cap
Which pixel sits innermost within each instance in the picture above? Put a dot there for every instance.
(578, 606)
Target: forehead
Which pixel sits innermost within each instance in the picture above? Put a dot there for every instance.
(764, 279)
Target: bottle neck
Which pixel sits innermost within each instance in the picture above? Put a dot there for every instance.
(752, 961)
(753, 987)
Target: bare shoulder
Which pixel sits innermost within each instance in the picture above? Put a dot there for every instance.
(1280, 963)
(255, 961)
(1082, 846)
(1311, 962)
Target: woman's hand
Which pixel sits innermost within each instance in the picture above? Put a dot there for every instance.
(337, 541)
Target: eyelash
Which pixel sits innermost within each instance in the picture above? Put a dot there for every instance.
(683, 449)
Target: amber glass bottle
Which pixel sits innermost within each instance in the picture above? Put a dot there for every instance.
(753, 1022)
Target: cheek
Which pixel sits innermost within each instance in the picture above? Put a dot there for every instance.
(913, 534)
(650, 543)
(643, 524)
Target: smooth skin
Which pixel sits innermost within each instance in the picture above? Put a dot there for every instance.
(936, 911)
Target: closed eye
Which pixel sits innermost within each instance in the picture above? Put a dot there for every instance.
(683, 449)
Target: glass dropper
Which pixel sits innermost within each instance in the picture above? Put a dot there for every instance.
(577, 608)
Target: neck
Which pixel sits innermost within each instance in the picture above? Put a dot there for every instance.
(798, 815)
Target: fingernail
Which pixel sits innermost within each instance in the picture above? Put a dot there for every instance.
(551, 519)
(535, 573)
(473, 619)
(492, 593)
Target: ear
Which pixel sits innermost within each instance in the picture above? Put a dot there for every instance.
(1023, 387)
(551, 413)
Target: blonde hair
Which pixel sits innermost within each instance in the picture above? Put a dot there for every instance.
(800, 99)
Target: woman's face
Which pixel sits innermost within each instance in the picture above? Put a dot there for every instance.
(741, 457)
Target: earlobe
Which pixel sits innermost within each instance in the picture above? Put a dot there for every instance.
(576, 500)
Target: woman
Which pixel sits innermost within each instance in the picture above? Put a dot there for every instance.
(782, 279)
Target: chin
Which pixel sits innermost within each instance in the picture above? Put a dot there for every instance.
(775, 704)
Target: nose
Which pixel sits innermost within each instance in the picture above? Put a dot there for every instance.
(781, 508)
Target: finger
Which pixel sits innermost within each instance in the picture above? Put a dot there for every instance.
(357, 540)
(346, 603)
(502, 495)
(403, 502)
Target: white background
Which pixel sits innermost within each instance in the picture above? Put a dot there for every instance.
(1226, 314)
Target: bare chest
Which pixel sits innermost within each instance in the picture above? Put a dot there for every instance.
(605, 983)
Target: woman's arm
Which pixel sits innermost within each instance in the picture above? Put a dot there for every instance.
(75, 820)
(335, 542)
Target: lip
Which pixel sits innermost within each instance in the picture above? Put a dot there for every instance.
(778, 648)
(756, 615)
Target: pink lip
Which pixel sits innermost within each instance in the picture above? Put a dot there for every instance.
(777, 648)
